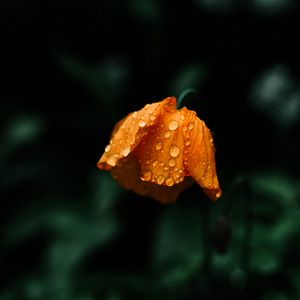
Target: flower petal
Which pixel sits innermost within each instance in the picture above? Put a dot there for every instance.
(160, 153)
(200, 159)
(129, 132)
(127, 174)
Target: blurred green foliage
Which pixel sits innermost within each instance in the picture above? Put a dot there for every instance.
(72, 70)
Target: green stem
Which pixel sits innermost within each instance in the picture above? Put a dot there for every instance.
(242, 183)
(184, 94)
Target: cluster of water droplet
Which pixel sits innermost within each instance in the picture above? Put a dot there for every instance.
(172, 170)
(172, 174)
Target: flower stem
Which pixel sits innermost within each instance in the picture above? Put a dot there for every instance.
(184, 94)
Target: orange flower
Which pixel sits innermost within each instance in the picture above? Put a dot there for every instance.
(159, 151)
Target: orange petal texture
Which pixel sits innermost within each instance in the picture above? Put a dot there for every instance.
(159, 151)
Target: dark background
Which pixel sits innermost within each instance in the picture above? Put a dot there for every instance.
(70, 71)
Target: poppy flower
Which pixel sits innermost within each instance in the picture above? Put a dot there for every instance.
(159, 151)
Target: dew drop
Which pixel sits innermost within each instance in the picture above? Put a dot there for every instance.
(172, 162)
(181, 179)
(142, 123)
(152, 118)
(187, 143)
(146, 176)
(182, 117)
(173, 125)
(170, 181)
(147, 106)
(112, 159)
(134, 114)
(191, 126)
(107, 148)
(167, 134)
(204, 163)
(126, 151)
(160, 179)
(166, 168)
(180, 171)
(174, 151)
(159, 146)
(218, 194)
(184, 128)
(155, 163)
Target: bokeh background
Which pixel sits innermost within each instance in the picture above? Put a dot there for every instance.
(70, 71)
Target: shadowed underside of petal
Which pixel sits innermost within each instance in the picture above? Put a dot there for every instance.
(127, 174)
(129, 132)
(200, 161)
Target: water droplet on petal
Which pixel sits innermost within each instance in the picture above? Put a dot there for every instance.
(191, 126)
(170, 181)
(181, 179)
(112, 159)
(187, 143)
(218, 194)
(172, 162)
(184, 128)
(167, 134)
(159, 146)
(152, 118)
(160, 179)
(182, 117)
(134, 114)
(107, 148)
(204, 163)
(166, 168)
(155, 163)
(173, 125)
(142, 123)
(174, 151)
(126, 151)
(146, 176)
